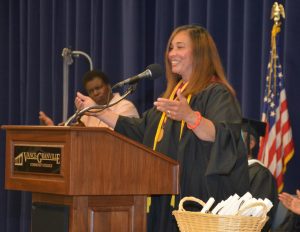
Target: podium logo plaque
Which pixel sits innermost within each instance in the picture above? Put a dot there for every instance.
(40, 159)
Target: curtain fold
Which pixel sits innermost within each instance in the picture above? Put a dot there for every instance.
(122, 38)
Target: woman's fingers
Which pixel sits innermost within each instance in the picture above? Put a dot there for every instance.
(175, 109)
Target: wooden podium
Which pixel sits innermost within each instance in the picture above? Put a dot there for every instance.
(103, 177)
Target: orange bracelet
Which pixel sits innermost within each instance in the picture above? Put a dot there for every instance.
(197, 123)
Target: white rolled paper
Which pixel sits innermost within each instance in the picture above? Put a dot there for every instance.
(208, 205)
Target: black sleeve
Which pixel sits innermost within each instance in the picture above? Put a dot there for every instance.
(223, 110)
(136, 128)
(133, 128)
(227, 166)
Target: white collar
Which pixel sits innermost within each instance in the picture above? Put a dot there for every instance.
(253, 161)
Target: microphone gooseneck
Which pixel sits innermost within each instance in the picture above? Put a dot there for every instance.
(98, 108)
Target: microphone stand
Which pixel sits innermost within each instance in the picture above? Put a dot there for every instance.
(68, 55)
(99, 108)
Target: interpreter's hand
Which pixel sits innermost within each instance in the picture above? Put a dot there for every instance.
(45, 120)
(177, 109)
(291, 202)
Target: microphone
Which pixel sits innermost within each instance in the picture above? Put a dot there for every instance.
(152, 72)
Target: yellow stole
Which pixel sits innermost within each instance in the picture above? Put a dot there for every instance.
(160, 132)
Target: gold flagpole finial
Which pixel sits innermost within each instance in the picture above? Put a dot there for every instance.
(277, 10)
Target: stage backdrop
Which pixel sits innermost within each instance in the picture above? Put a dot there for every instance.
(123, 37)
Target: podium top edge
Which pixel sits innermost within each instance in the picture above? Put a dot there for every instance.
(67, 129)
(40, 127)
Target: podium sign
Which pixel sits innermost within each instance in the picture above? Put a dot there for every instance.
(101, 175)
(39, 159)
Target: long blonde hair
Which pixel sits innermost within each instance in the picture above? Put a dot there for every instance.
(207, 66)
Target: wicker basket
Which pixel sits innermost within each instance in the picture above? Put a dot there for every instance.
(196, 222)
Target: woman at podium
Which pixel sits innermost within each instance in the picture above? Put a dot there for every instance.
(197, 121)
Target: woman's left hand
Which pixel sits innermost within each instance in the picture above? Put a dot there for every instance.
(178, 109)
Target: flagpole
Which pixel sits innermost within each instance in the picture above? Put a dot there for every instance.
(276, 13)
(277, 147)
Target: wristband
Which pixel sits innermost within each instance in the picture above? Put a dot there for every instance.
(197, 123)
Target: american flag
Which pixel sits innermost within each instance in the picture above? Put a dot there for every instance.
(277, 147)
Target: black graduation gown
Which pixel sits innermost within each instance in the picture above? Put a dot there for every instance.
(263, 185)
(218, 169)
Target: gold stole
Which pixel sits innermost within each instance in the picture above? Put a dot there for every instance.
(160, 132)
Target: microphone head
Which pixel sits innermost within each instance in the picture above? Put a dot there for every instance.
(156, 71)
